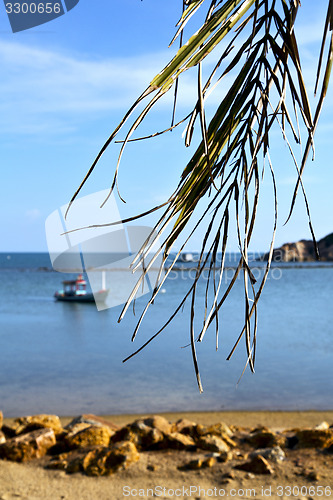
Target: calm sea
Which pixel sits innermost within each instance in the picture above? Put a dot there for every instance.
(67, 358)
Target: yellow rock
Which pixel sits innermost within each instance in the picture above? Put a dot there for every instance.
(94, 435)
(322, 426)
(25, 447)
(258, 465)
(221, 429)
(209, 462)
(90, 419)
(199, 463)
(103, 462)
(2, 438)
(34, 422)
(265, 438)
(212, 443)
(159, 423)
(184, 426)
(143, 436)
(178, 441)
(314, 438)
(75, 428)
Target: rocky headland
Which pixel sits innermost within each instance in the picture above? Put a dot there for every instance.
(303, 251)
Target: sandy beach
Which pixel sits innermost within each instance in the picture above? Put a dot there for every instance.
(303, 474)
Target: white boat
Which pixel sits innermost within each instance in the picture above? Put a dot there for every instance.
(186, 257)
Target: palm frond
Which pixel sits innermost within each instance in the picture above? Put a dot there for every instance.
(254, 43)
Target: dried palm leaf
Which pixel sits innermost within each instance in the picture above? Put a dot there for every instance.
(254, 43)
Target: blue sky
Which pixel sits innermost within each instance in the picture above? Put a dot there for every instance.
(65, 86)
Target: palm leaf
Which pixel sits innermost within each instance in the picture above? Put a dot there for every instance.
(254, 43)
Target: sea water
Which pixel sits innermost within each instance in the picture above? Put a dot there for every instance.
(66, 358)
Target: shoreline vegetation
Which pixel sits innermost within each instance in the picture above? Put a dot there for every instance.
(244, 454)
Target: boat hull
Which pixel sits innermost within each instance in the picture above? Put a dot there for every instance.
(86, 298)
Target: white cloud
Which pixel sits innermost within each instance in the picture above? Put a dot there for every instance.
(42, 90)
(45, 91)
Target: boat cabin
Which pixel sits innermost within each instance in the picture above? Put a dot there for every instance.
(76, 291)
(75, 287)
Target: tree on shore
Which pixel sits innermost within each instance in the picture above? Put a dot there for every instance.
(254, 45)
